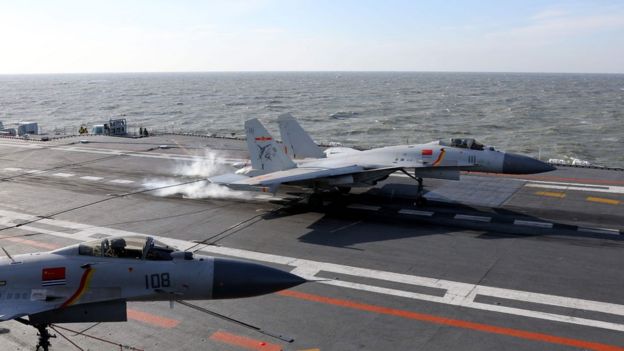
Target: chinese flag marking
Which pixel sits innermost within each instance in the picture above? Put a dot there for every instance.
(56, 273)
(263, 138)
(427, 152)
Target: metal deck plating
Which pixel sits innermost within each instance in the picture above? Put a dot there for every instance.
(532, 262)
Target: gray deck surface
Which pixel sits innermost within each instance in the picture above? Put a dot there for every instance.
(536, 257)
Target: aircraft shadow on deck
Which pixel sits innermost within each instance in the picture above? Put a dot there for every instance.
(344, 226)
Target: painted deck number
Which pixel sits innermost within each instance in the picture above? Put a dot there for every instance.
(157, 281)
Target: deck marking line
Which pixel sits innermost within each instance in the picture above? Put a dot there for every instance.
(63, 175)
(599, 230)
(243, 342)
(533, 223)
(12, 169)
(582, 185)
(121, 181)
(546, 179)
(152, 319)
(606, 189)
(551, 194)
(603, 200)
(473, 218)
(364, 207)
(487, 328)
(91, 178)
(416, 212)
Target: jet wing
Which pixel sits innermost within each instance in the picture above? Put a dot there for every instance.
(21, 309)
(270, 181)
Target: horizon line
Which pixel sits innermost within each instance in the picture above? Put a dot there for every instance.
(301, 71)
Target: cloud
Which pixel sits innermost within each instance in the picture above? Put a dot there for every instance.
(549, 25)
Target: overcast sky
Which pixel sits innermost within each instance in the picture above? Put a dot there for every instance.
(66, 36)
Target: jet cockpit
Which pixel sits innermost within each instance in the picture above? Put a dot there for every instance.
(466, 143)
(132, 247)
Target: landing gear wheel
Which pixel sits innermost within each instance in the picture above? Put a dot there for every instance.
(421, 201)
(344, 189)
(315, 201)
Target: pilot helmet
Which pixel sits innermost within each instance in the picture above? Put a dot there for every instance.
(118, 243)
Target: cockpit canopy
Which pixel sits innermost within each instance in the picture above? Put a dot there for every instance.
(465, 143)
(132, 247)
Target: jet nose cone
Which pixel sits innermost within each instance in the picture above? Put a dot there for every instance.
(520, 164)
(234, 279)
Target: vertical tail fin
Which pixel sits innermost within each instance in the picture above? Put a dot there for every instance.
(264, 152)
(297, 143)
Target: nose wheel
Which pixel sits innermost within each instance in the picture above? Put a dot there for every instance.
(44, 337)
(420, 198)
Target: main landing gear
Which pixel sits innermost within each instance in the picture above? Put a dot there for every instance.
(420, 192)
(315, 199)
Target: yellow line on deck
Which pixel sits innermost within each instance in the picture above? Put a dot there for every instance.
(603, 200)
(551, 194)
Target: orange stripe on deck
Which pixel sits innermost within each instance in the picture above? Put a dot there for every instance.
(517, 333)
(244, 342)
(38, 244)
(551, 194)
(152, 319)
(603, 200)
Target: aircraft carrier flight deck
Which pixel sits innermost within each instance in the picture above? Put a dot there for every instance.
(490, 262)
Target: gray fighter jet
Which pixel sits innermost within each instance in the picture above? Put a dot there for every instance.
(343, 168)
(92, 281)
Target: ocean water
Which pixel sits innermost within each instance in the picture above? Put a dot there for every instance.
(561, 116)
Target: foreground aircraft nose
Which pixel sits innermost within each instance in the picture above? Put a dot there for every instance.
(233, 279)
(520, 164)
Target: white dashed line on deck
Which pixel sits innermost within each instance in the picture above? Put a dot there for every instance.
(473, 218)
(599, 230)
(533, 224)
(121, 181)
(63, 175)
(576, 186)
(364, 207)
(12, 169)
(416, 212)
(91, 178)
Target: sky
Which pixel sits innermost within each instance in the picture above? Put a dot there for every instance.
(68, 36)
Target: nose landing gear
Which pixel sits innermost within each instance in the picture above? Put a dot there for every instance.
(420, 198)
(44, 335)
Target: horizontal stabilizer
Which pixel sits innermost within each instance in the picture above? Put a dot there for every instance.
(238, 182)
(227, 178)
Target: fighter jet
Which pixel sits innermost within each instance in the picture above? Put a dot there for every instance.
(343, 168)
(92, 281)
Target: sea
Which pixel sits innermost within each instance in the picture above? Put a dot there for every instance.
(550, 116)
